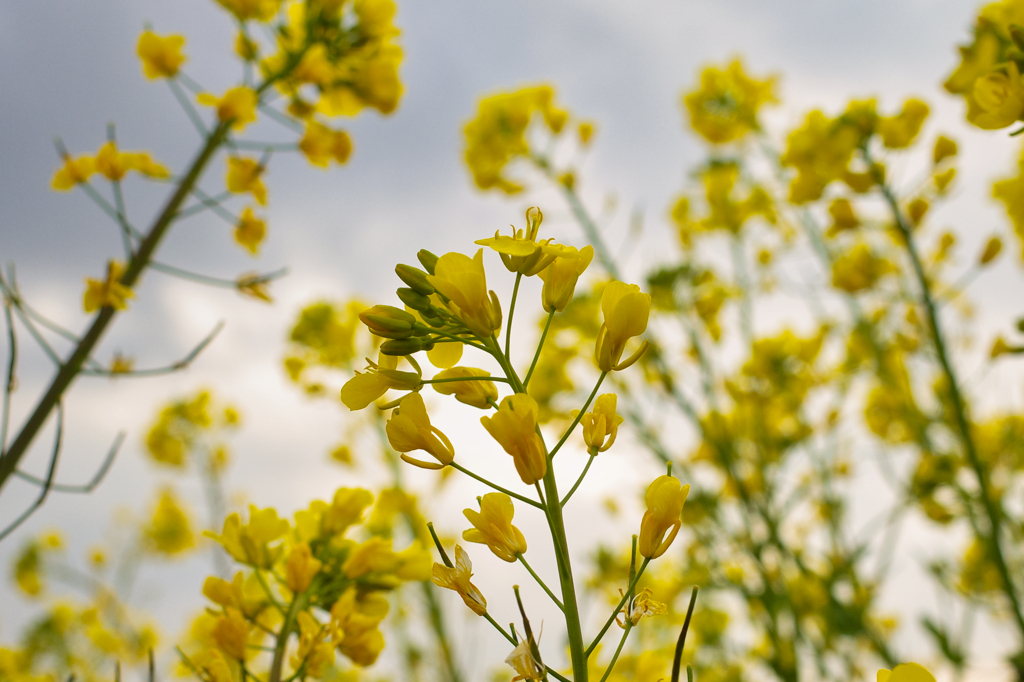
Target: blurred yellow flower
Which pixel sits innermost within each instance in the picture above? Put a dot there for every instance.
(725, 107)
(858, 269)
(898, 132)
(514, 426)
(244, 176)
(169, 531)
(492, 526)
(320, 144)
(907, 672)
(250, 231)
(260, 10)
(997, 98)
(161, 57)
(73, 172)
(300, 567)
(109, 292)
(250, 543)
(115, 164)
(237, 105)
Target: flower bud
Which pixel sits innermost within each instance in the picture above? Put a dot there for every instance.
(388, 321)
(992, 249)
(407, 346)
(427, 260)
(415, 278)
(413, 299)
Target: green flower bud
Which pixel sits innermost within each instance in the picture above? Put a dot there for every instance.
(415, 278)
(427, 259)
(388, 321)
(407, 346)
(414, 299)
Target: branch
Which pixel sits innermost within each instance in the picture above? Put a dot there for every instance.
(169, 369)
(48, 483)
(87, 487)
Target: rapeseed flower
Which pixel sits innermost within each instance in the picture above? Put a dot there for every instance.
(114, 164)
(366, 387)
(409, 429)
(161, 57)
(250, 231)
(997, 98)
(907, 672)
(463, 281)
(514, 426)
(477, 393)
(109, 292)
(601, 425)
(73, 172)
(725, 107)
(169, 532)
(492, 526)
(320, 144)
(457, 578)
(665, 498)
(561, 275)
(250, 543)
(237, 106)
(244, 176)
(625, 309)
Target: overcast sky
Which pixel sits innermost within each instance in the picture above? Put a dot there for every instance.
(69, 68)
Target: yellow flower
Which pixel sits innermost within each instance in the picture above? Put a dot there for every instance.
(313, 651)
(521, 252)
(250, 544)
(366, 387)
(625, 309)
(514, 426)
(476, 393)
(858, 269)
(161, 57)
(944, 148)
(169, 532)
(639, 606)
(462, 280)
(250, 231)
(115, 164)
(107, 293)
(73, 172)
(898, 132)
(300, 568)
(346, 510)
(561, 276)
(522, 661)
(492, 526)
(997, 98)
(725, 107)
(231, 633)
(665, 498)
(457, 579)
(907, 672)
(497, 135)
(237, 105)
(358, 616)
(843, 216)
(244, 176)
(409, 429)
(260, 10)
(602, 424)
(320, 144)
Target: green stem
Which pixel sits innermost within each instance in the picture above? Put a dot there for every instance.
(540, 346)
(71, 367)
(277, 664)
(590, 460)
(622, 602)
(522, 560)
(568, 432)
(448, 380)
(497, 487)
(993, 509)
(511, 310)
(618, 650)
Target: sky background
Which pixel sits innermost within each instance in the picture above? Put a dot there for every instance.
(69, 68)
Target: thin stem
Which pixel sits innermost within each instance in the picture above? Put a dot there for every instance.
(127, 231)
(993, 508)
(522, 560)
(618, 650)
(495, 486)
(282, 639)
(677, 659)
(568, 431)
(622, 602)
(70, 368)
(203, 204)
(10, 380)
(511, 310)
(48, 484)
(540, 346)
(590, 460)
(187, 105)
(87, 487)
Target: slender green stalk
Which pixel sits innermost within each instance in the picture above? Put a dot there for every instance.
(590, 460)
(618, 607)
(511, 310)
(522, 560)
(576, 421)
(540, 346)
(993, 508)
(497, 487)
(618, 650)
(70, 368)
(448, 380)
(277, 664)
